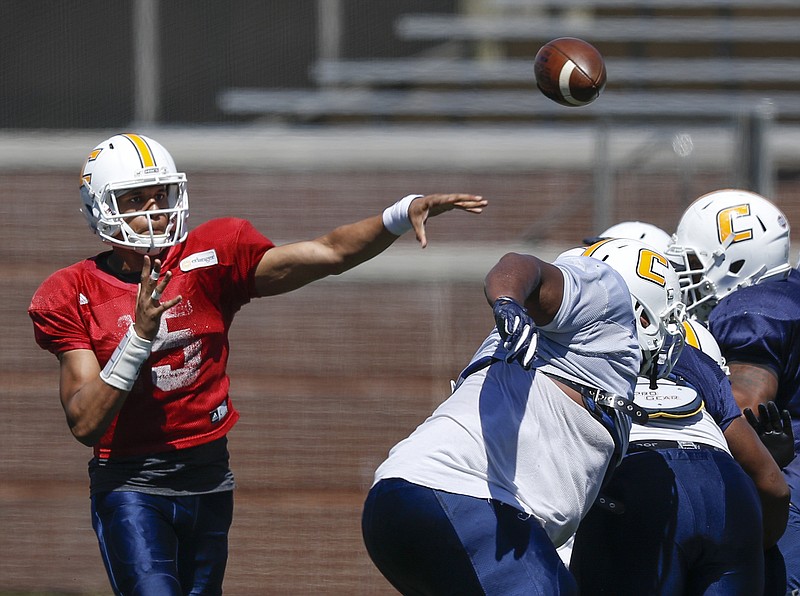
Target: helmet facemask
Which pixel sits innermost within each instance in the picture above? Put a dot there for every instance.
(698, 291)
(114, 227)
(667, 340)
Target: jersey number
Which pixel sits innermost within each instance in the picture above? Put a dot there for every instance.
(168, 377)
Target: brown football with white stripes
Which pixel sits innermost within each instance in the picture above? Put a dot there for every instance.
(570, 71)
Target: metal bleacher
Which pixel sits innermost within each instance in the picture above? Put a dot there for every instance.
(694, 59)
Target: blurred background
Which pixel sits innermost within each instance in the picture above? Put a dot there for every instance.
(301, 115)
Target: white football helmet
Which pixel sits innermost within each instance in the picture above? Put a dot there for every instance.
(576, 251)
(122, 163)
(635, 230)
(700, 337)
(728, 239)
(655, 295)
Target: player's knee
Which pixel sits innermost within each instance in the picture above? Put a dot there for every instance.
(157, 584)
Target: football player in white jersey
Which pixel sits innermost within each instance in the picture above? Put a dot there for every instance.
(477, 498)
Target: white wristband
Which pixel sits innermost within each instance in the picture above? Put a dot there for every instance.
(395, 217)
(123, 367)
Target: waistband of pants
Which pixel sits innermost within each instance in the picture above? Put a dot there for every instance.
(639, 446)
(606, 398)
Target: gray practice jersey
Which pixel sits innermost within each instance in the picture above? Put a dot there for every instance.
(511, 434)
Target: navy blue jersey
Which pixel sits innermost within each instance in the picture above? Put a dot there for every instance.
(701, 371)
(761, 325)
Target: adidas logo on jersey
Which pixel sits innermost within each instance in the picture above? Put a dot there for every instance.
(219, 412)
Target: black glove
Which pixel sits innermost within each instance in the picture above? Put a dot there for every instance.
(775, 430)
(517, 330)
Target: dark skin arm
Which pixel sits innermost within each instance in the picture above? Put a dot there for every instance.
(535, 284)
(752, 384)
(747, 448)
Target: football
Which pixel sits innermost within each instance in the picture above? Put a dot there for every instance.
(570, 71)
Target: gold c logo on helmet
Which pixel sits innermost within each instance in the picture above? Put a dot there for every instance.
(725, 220)
(649, 260)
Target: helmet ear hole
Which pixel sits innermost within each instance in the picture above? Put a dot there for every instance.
(736, 266)
(641, 312)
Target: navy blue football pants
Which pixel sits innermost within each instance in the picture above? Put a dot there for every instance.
(691, 525)
(429, 542)
(155, 545)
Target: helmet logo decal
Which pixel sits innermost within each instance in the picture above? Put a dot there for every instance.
(725, 219)
(143, 149)
(649, 262)
(87, 178)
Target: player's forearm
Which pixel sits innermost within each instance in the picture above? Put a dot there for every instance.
(91, 410)
(754, 458)
(353, 244)
(775, 512)
(752, 384)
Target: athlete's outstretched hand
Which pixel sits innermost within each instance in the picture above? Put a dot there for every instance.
(517, 330)
(422, 208)
(775, 430)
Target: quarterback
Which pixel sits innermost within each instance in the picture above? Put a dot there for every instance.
(141, 335)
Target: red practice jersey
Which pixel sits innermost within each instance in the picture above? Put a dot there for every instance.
(180, 398)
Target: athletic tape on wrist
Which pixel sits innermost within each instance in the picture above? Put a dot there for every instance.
(123, 367)
(395, 217)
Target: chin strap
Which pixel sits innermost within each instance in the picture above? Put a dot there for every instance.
(653, 377)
